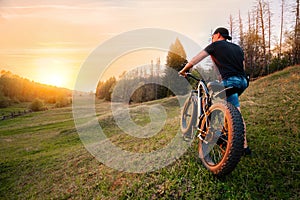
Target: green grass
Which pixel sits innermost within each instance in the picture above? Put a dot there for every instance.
(42, 156)
(16, 107)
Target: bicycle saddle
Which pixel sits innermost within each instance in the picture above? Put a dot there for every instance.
(215, 86)
(220, 91)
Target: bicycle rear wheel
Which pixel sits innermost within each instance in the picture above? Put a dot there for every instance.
(223, 134)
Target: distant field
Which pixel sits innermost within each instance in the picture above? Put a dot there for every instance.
(42, 156)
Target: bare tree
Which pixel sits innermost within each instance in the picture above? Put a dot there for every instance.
(262, 26)
(231, 24)
(297, 36)
(269, 16)
(241, 30)
(281, 27)
(269, 26)
(249, 47)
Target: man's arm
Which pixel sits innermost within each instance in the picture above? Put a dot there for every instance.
(203, 54)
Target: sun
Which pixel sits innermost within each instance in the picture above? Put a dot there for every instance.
(55, 80)
(52, 71)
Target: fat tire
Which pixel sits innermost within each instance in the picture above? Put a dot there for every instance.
(235, 143)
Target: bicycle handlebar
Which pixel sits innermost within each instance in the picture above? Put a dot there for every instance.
(192, 76)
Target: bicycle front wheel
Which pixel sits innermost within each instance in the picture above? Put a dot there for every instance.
(222, 132)
(189, 117)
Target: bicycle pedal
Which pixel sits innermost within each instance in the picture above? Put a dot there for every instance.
(202, 139)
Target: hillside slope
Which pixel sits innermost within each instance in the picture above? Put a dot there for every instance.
(42, 156)
(272, 104)
(271, 110)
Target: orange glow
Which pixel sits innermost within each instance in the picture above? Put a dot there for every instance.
(52, 71)
(132, 60)
(47, 41)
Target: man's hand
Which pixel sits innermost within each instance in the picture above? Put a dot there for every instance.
(182, 73)
(186, 68)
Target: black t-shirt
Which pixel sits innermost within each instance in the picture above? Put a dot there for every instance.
(228, 57)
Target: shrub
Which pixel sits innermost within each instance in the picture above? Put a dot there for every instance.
(4, 101)
(37, 105)
(62, 101)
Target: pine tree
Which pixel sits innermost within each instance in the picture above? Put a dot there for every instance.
(176, 59)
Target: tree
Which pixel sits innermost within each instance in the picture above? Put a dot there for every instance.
(4, 101)
(261, 9)
(251, 44)
(231, 25)
(269, 20)
(241, 30)
(297, 36)
(37, 105)
(176, 59)
(176, 56)
(281, 27)
(62, 101)
(105, 89)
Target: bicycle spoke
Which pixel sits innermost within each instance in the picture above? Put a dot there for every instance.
(222, 150)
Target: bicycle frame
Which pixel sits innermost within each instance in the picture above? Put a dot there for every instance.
(201, 106)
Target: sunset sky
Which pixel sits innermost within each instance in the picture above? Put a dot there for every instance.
(48, 40)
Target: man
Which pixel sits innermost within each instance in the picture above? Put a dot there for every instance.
(229, 59)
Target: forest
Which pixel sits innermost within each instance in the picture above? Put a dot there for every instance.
(15, 89)
(265, 53)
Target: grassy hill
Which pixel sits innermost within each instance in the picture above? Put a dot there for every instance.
(42, 156)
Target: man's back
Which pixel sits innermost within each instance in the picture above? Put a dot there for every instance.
(228, 57)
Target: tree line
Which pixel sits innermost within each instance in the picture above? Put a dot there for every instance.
(264, 52)
(150, 82)
(15, 89)
(141, 84)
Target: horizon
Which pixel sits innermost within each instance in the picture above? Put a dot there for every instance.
(48, 41)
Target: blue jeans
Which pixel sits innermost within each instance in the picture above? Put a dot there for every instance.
(239, 82)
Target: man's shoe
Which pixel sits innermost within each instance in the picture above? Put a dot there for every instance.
(247, 151)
